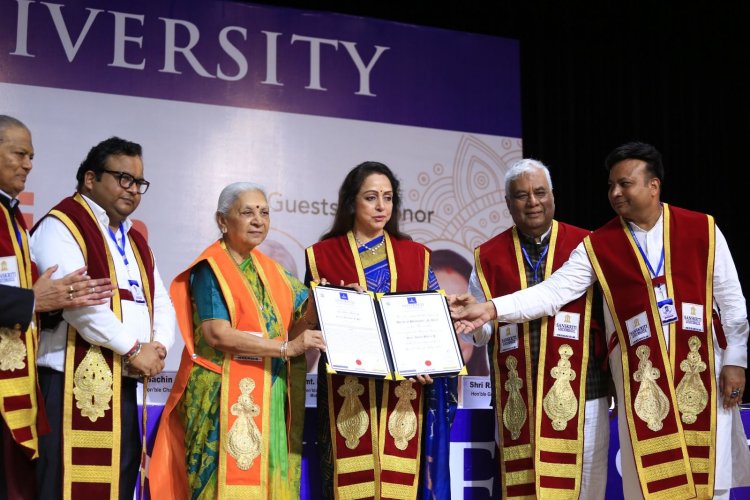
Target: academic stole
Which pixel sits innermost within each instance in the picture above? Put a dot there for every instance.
(555, 443)
(371, 462)
(674, 452)
(246, 380)
(18, 377)
(91, 426)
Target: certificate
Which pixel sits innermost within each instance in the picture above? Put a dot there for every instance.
(420, 334)
(389, 336)
(351, 329)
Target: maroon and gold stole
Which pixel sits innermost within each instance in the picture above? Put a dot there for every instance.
(91, 426)
(245, 386)
(546, 431)
(670, 394)
(18, 382)
(370, 461)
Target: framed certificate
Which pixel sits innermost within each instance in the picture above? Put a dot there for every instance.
(389, 336)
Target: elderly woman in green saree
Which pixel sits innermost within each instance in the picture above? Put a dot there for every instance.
(232, 425)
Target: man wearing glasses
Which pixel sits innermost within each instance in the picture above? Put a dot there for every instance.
(90, 362)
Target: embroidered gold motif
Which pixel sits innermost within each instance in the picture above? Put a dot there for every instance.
(692, 396)
(402, 424)
(352, 421)
(244, 439)
(92, 384)
(12, 350)
(651, 404)
(560, 403)
(514, 413)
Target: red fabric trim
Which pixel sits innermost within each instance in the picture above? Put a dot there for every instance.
(557, 458)
(700, 478)
(522, 490)
(699, 451)
(563, 483)
(661, 457)
(12, 403)
(521, 464)
(667, 483)
(365, 476)
(91, 456)
(22, 434)
(89, 490)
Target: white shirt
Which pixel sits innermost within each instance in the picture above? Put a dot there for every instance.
(52, 243)
(576, 275)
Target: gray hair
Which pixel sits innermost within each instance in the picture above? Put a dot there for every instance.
(523, 166)
(233, 191)
(7, 122)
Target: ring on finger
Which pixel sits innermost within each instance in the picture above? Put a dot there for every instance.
(93, 289)
(70, 296)
(71, 289)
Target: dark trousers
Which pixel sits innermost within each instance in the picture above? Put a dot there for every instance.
(49, 467)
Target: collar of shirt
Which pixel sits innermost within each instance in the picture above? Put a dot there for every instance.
(530, 239)
(102, 217)
(9, 203)
(651, 241)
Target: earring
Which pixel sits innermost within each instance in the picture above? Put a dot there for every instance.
(223, 230)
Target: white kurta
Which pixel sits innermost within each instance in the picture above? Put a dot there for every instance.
(572, 280)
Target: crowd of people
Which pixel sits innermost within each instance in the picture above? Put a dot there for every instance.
(646, 311)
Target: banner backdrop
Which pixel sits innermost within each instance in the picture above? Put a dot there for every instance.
(218, 92)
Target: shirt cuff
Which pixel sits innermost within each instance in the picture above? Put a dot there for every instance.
(736, 356)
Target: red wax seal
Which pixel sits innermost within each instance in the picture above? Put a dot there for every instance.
(359, 362)
(428, 362)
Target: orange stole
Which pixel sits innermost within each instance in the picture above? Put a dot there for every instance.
(542, 450)
(18, 380)
(360, 472)
(675, 455)
(92, 432)
(237, 477)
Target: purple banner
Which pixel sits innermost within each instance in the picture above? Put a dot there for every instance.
(260, 57)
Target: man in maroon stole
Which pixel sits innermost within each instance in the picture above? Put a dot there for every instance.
(677, 327)
(23, 294)
(549, 390)
(90, 362)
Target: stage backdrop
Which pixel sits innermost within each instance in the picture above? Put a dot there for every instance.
(220, 91)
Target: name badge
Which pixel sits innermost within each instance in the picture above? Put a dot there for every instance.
(135, 289)
(692, 317)
(667, 311)
(566, 325)
(508, 337)
(244, 357)
(638, 328)
(9, 271)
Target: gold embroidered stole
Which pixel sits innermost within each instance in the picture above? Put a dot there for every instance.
(542, 438)
(674, 450)
(91, 426)
(370, 461)
(18, 377)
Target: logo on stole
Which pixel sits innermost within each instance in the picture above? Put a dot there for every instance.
(343, 296)
(411, 300)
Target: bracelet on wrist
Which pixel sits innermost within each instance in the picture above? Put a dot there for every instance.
(282, 350)
(135, 351)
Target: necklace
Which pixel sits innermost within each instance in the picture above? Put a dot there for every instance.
(373, 249)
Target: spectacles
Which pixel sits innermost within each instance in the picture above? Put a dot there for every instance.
(126, 180)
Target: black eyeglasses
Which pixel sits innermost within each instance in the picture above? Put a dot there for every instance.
(126, 180)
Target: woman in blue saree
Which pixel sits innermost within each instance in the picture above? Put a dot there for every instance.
(365, 247)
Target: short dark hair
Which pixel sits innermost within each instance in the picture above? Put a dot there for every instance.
(343, 221)
(96, 160)
(637, 151)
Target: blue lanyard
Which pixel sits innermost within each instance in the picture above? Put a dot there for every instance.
(114, 238)
(19, 239)
(654, 274)
(533, 267)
